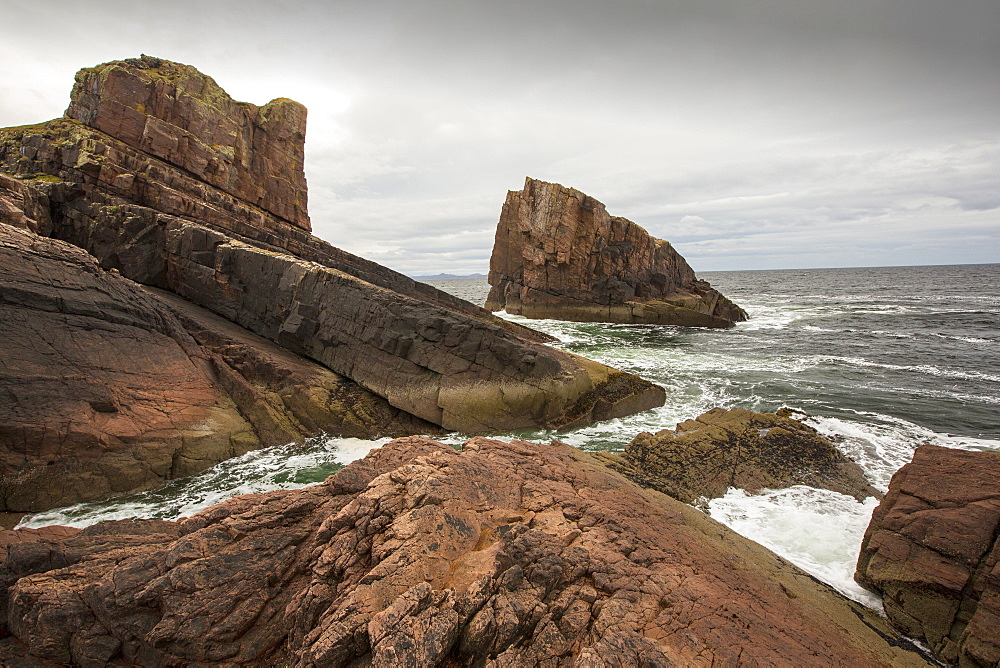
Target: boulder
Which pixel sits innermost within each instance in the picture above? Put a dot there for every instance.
(559, 254)
(932, 551)
(419, 555)
(107, 387)
(704, 457)
(123, 186)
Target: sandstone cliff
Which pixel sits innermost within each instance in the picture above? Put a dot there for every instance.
(559, 254)
(506, 554)
(933, 551)
(704, 457)
(161, 177)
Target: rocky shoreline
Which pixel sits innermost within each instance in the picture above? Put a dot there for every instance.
(164, 306)
(156, 179)
(506, 553)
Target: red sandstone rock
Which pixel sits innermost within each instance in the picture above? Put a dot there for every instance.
(505, 554)
(177, 114)
(559, 254)
(932, 551)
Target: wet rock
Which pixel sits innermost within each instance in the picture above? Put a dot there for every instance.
(704, 457)
(502, 554)
(932, 551)
(559, 254)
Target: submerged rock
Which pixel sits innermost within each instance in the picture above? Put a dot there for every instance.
(559, 254)
(502, 554)
(704, 457)
(161, 177)
(932, 551)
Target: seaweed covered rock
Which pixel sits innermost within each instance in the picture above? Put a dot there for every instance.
(738, 448)
(559, 254)
(418, 555)
(932, 551)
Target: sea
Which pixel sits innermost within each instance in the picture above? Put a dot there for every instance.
(881, 360)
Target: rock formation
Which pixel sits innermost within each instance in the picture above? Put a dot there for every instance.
(704, 457)
(559, 254)
(162, 178)
(108, 387)
(932, 551)
(504, 554)
(177, 114)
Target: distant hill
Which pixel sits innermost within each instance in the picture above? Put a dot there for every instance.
(443, 277)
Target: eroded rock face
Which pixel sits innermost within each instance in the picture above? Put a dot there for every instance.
(177, 114)
(932, 551)
(503, 554)
(704, 457)
(106, 387)
(559, 254)
(129, 204)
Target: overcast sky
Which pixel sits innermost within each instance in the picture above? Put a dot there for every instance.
(749, 133)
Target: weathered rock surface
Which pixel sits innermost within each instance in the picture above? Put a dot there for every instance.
(738, 448)
(932, 551)
(504, 554)
(559, 254)
(138, 207)
(106, 387)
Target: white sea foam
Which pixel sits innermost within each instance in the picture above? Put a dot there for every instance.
(291, 466)
(817, 530)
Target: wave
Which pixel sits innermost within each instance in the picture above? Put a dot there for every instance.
(817, 530)
(291, 466)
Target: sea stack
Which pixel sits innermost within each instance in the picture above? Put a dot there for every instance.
(559, 254)
(164, 306)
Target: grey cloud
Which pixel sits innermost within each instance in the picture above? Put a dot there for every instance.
(748, 132)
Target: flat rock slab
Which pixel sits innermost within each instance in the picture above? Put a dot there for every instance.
(502, 554)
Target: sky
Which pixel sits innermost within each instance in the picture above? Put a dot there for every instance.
(751, 134)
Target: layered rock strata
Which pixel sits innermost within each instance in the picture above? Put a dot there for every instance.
(502, 554)
(164, 179)
(704, 457)
(932, 551)
(108, 387)
(175, 113)
(559, 254)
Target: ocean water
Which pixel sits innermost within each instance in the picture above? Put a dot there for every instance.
(881, 359)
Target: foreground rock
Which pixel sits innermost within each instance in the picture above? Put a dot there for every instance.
(108, 387)
(704, 457)
(559, 254)
(164, 179)
(503, 554)
(932, 551)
